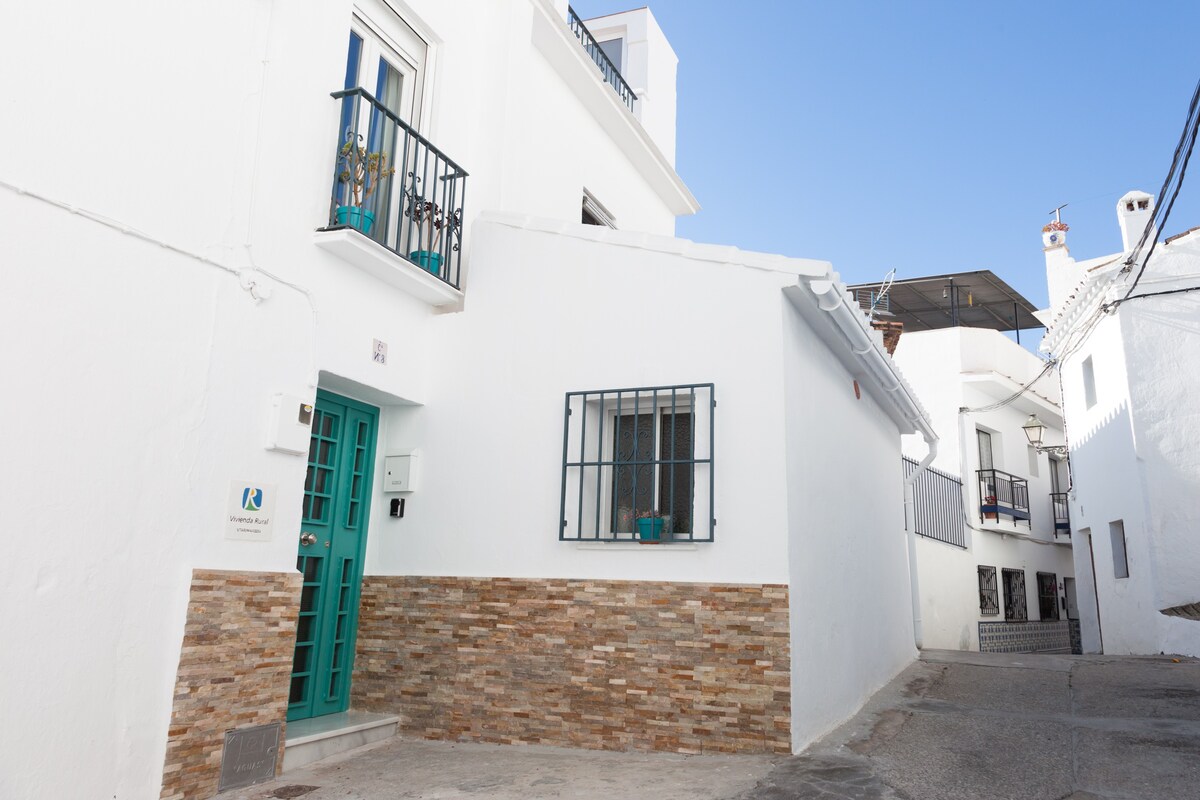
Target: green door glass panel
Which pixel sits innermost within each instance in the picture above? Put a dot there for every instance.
(333, 535)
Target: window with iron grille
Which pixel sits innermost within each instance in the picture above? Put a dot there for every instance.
(1014, 596)
(638, 465)
(1047, 595)
(989, 598)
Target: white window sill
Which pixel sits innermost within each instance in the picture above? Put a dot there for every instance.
(633, 546)
(376, 260)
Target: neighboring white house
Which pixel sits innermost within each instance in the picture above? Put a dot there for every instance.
(300, 355)
(992, 539)
(1128, 348)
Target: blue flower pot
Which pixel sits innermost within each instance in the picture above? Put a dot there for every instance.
(356, 217)
(427, 260)
(650, 529)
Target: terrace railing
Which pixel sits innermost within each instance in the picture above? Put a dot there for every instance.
(937, 505)
(607, 68)
(1002, 494)
(1062, 513)
(393, 185)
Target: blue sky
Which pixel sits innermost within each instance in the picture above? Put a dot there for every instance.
(928, 137)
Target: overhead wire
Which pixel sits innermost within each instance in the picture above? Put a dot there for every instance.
(1187, 141)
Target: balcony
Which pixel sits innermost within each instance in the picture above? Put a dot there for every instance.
(609, 70)
(1062, 513)
(1002, 494)
(396, 188)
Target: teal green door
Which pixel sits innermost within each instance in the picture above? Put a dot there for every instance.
(333, 535)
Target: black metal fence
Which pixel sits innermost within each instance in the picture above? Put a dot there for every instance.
(938, 505)
(608, 69)
(1002, 493)
(638, 465)
(1062, 513)
(394, 186)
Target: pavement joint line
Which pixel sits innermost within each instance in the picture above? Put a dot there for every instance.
(1163, 725)
(1074, 730)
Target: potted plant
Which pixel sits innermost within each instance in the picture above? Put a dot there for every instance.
(650, 526)
(360, 172)
(432, 222)
(990, 500)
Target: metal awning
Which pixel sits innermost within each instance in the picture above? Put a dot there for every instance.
(978, 299)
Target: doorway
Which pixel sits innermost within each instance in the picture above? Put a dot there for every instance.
(333, 536)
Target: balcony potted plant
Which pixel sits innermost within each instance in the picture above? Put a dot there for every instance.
(360, 172)
(650, 526)
(989, 500)
(432, 223)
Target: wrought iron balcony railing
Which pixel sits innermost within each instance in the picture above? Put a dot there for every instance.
(393, 185)
(1062, 513)
(1002, 493)
(608, 69)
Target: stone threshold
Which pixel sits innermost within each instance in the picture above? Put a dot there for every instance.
(313, 739)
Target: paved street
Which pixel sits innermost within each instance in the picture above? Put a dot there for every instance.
(957, 726)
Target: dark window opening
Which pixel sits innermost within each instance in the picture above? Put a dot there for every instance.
(1014, 596)
(1047, 595)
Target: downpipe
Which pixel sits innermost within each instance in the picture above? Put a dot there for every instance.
(829, 299)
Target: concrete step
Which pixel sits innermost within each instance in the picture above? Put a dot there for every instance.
(310, 740)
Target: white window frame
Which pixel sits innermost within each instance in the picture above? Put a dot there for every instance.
(597, 210)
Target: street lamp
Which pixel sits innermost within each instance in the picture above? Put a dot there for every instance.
(1034, 431)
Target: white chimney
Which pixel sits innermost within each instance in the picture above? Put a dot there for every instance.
(1134, 211)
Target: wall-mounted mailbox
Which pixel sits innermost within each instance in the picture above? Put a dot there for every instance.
(399, 473)
(291, 418)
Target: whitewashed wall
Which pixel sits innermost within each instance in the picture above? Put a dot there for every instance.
(851, 608)
(1134, 460)
(143, 372)
(955, 368)
(559, 308)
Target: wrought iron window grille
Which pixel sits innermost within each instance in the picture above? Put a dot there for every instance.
(396, 187)
(638, 465)
(989, 596)
(1047, 595)
(1014, 596)
(608, 69)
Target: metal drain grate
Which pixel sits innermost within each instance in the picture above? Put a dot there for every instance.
(295, 790)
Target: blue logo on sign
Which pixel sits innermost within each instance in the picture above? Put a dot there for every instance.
(252, 499)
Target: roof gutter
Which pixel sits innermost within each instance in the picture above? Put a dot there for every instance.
(831, 298)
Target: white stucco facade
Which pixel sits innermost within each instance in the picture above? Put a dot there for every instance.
(168, 284)
(956, 371)
(1128, 386)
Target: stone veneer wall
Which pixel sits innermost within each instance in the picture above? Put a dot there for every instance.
(234, 671)
(615, 665)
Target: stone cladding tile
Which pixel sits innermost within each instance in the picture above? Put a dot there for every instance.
(234, 671)
(614, 665)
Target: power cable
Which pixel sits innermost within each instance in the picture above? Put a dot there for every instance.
(1012, 397)
(1187, 141)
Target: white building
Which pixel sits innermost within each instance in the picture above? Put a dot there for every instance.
(1126, 347)
(289, 371)
(994, 553)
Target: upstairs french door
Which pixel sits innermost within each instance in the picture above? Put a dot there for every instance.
(387, 58)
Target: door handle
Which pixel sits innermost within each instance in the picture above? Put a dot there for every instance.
(307, 538)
